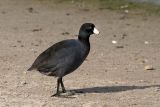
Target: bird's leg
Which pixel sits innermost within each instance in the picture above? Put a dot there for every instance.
(62, 85)
(57, 93)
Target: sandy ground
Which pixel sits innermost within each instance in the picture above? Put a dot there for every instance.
(113, 74)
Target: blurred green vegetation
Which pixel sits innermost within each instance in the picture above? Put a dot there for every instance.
(126, 4)
(118, 5)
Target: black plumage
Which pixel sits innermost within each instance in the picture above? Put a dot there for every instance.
(64, 57)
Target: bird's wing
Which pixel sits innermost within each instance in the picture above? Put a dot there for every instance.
(56, 54)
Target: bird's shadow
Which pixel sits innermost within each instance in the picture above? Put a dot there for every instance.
(112, 89)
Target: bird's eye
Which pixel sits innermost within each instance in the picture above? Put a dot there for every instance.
(89, 28)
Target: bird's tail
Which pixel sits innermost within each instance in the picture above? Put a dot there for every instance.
(30, 69)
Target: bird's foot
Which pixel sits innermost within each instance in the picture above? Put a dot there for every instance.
(64, 91)
(56, 95)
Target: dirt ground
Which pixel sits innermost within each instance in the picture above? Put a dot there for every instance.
(113, 75)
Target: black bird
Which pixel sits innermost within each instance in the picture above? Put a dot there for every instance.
(64, 57)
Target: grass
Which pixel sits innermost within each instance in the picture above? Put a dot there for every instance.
(147, 8)
(118, 5)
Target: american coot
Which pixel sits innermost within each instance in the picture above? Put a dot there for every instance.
(64, 57)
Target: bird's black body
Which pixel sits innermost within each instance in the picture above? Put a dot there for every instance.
(64, 57)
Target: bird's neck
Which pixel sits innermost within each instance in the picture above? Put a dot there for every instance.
(84, 40)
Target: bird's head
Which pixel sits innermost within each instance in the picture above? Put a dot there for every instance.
(86, 30)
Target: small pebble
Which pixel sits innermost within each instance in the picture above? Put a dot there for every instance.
(36, 30)
(22, 45)
(146, 42)
(149, 67)
(124, 35)
(114, 42)
(23, 82)
(36, 45)
(30, 10)
(119, 46)
(126, 11)
(65, 33)
(19, 41)
(114, 35)
(105, 70)
(144, 61)
(67, 14)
